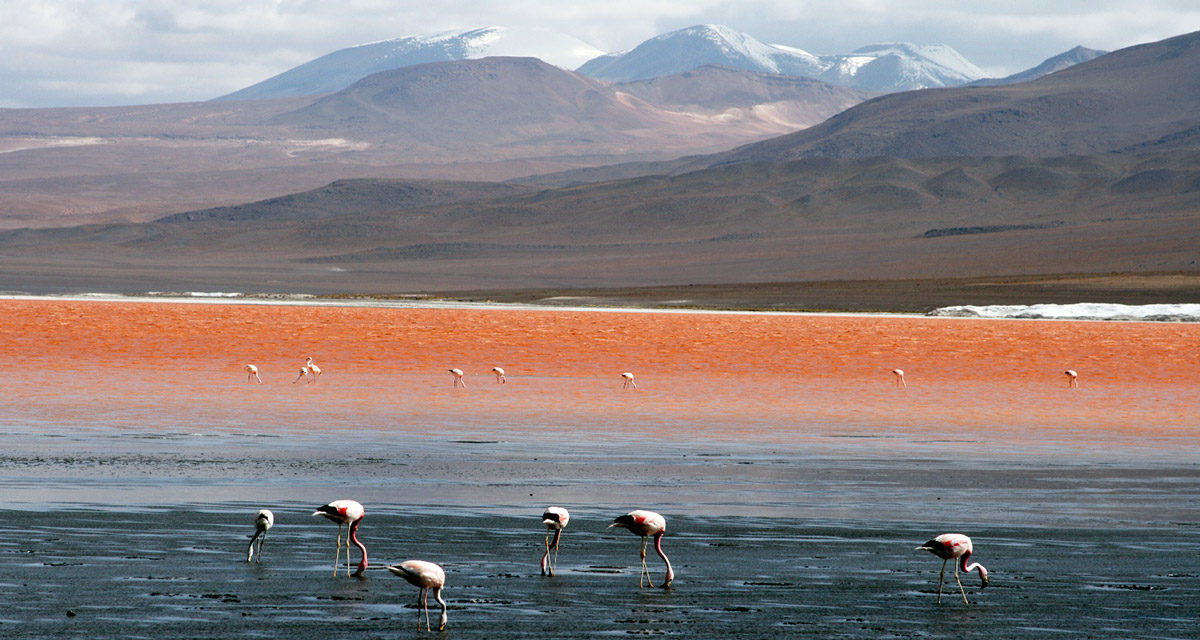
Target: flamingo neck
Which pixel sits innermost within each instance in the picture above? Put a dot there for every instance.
(362, 565)
(437, 595)
(974, 566)
(658, 548)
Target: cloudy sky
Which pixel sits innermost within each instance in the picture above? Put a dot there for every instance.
(112, 52)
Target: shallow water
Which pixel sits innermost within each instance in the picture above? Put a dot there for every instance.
(135, 456)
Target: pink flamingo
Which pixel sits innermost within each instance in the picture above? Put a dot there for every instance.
(303, 374)
(950, 546)
(646, 524)
(262, 523)
(425, 575)
(899, 373)
(313, 370)
(555, 519)
(500, 379)
(346, 512)
(252, 373)
(628, 380)
(1072, 378)
(458, 378)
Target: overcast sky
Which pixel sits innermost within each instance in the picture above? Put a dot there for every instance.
(113, 52)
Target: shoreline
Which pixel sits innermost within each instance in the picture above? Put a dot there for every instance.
(1185, 313)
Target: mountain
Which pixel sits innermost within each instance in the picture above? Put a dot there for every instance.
(1049, 65)
(879, 68)
(1137, 99)
(487, 119)
(523, 106)
(337, 70)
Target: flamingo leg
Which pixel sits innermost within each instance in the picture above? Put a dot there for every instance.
(546, 568)
(555, 562)
(261, 540)
(645, 569)
(941, 577)
(337, 558)
(960, 587)
(424, 607)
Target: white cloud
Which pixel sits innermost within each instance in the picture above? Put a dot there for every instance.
(69, 52)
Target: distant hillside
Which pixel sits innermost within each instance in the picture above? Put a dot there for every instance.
(494, 118)
(1140, 98)
(1050, 65)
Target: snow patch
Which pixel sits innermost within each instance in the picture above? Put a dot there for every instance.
(1078, 311)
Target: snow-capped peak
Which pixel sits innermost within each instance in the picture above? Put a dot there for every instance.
(884, 67)
(337, 70)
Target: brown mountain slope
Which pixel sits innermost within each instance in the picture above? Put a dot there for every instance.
(819, 219)
(1143, 97)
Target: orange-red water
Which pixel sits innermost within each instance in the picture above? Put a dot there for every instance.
(973, 385)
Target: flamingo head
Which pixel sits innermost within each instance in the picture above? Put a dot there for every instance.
(983, 577)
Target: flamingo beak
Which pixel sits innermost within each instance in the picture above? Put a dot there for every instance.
(985, 582)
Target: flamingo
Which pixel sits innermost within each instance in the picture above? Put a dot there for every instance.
(500, 379)
(252, 373)
(899, 373)
(303, 374)
(950, 546)
(1072, 378)
(646, 524)
(555, 519)
(346, 512)
(628, 378)
(425, 575)
(262, 522)
(313, 369)
(458, 381)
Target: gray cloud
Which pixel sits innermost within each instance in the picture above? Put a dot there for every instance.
(108, 52)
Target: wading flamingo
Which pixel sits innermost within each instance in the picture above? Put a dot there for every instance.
(500, 379)
(303, 374)
(262, 522)
(458, 381)
(899, 373)
(555, 519)
(646, 524)
(425, 575)
(252, 373)
(313, 370)
(628, 378)
(1072, 378)
(346, 512)
(954, 546)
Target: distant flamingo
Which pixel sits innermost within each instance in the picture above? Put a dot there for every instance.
(313, 370)
(950, 546)
(899, 373)
(262, 522)
(555, 519)
(628, 378)
(500, 379)
(346, 512)
(1072, 378)
(252, 373)
(303, 374)
(458, 378)
(425, 575)
(646, 524)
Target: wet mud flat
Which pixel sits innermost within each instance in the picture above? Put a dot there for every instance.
(180, 573)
